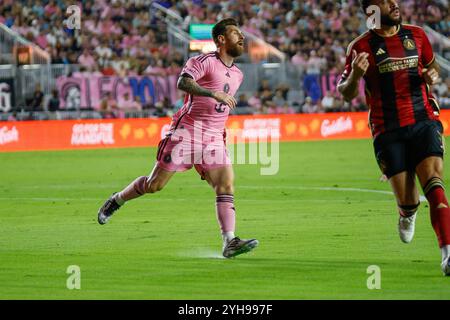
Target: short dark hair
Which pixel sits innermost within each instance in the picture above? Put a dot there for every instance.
(220, 27)
(365, 4)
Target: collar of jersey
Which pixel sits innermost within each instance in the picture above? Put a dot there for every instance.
(398, 30)
(218, 57)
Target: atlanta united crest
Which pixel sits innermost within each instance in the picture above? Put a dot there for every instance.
(409, 44)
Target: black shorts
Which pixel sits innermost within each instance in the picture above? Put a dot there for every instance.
(404, 148)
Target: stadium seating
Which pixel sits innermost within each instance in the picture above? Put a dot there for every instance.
(123, 38)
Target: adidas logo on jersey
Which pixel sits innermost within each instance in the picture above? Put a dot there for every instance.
(228, 74)
(380, 51)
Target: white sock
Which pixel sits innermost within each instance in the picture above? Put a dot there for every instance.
(227, 236)
(445, 252)
(118, 199)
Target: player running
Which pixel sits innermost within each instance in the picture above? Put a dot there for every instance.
(197, 134)
(398, 66)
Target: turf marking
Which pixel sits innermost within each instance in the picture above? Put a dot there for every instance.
(422, 198)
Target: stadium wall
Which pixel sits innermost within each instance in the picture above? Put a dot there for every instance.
(122, 133)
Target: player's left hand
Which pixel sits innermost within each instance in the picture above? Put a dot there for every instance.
(431, 76)
(225, 98)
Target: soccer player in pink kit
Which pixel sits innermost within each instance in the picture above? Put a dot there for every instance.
(197, 135)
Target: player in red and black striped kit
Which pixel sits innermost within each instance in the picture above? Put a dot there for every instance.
(398, 66)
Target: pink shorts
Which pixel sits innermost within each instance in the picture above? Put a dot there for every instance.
(180, 150)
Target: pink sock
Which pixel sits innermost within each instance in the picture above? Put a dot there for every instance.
(133, 190)
(225, 212)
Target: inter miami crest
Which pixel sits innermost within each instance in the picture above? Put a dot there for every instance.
(220, 108)
(167, 158)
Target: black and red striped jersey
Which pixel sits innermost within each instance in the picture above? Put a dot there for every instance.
(396, 93)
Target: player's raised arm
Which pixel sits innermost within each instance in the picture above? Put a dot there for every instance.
(348, 85)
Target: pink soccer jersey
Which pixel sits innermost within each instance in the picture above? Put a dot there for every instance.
(197, 133)
(212, 74)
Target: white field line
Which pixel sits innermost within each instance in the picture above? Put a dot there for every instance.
(150, 199)
(422, 198)
(206, 253)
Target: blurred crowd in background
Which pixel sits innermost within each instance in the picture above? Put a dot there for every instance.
(122, 38)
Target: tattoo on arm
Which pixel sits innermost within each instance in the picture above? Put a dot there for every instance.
(189, 85)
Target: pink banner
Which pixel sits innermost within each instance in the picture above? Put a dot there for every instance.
(329, 82)
(86, 91)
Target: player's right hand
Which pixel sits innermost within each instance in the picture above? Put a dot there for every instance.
(360, 63)
(225, 98)
(431, 76)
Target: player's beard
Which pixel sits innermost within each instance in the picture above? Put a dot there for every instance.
(235, 50)
(387, 20)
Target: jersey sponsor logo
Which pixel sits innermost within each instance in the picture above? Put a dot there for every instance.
(409, 44)
(8, 135)
(396, 64)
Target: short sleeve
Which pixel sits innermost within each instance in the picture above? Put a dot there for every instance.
(427, 50)
(196, 68)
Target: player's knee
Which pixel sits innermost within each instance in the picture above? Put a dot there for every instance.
(435, 170)
(226, 188)
(430, 168)
(438, 169)
(407, 199)
(140, 185)
(154, 186)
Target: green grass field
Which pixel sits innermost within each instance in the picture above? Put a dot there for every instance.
(316, 238)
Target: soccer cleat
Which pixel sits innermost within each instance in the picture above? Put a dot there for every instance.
(406, 226)
(237, 246)
(446, 266)
(107, 210)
